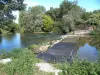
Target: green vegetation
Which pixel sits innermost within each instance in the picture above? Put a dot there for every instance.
(23, 63)
(12, 27)
(6, 17)
(56, 20)
(80, 68)
(68, 17)
(85, 67)
(94, 20)
(31, 20)
(47, 23)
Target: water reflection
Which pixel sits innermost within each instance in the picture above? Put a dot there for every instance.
(88, 52)
(63, 52)
(11, 41)
(17, 40)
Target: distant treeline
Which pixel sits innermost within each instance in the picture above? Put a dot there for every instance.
(68, 17)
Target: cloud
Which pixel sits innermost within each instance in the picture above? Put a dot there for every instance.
(29, 4)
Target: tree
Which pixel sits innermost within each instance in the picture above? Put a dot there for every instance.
(37, 10)
(65, 7)
(47, 23)
(69, 14)
(6, 8)
(53, 13)
(94, 19)
(68, 22)
(31, 20)
(72, 18)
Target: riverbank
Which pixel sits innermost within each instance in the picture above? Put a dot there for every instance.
(24, 61)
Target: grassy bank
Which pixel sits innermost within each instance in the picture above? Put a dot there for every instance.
(24, 60)
(23, 63)
(79, 68)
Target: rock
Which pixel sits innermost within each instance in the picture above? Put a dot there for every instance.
(4, 61)
(46, 67)
(44, 48)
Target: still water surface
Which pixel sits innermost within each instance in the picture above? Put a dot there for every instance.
(11, 41)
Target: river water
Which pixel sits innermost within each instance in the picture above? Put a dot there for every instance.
(11, 41)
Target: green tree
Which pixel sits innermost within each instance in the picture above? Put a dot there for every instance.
(53, 13)
(94, 19)
(65, 7)
(68, 22)
(47, 23)
(31, 20)
(6, 8)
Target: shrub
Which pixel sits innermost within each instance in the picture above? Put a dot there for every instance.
(81, 68)
(58, 28)
(23, 63)
(34, 48)
(47, 23)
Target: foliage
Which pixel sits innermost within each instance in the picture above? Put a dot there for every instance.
(80, 68)
(31, 20)
(36, 19)
(12, 27)
(68, 23)
(58, 28)
(94, 19)
(23, 63)
(65, 7)
(6, 8)
(47, 23)
(96, 37)
(34, 48)
(69, 14)
(53, 13)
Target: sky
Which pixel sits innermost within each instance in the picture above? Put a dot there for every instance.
(89, 5)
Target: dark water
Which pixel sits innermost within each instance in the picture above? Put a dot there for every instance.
(11, 41)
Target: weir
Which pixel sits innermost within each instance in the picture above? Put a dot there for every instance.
(61, 52)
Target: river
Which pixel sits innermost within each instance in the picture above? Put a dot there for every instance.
(10, 41)
(17, 40)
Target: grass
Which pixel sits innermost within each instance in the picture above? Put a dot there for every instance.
(82, 67)
(23, 63)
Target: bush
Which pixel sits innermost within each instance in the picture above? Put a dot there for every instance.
(47, 23)
(81, 68)
(34, 48)
(23, 63)
(58, 28)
